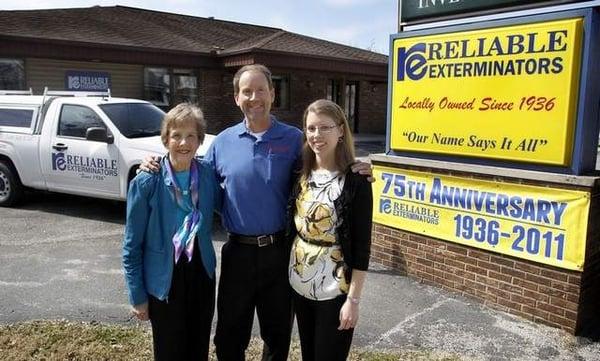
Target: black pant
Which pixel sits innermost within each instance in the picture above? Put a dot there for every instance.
(181, 324)
(318, 322)
(253, 277)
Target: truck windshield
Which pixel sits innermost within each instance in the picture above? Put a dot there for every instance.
(135, 120)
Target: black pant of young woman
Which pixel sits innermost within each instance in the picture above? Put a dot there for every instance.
(318, 322)
(181, 324)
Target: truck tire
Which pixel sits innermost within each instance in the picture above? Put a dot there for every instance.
(11, 189)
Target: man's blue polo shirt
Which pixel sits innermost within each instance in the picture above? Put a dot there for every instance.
(256, 175)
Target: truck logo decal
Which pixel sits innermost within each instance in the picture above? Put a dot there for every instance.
(58, 161)
(87, 167)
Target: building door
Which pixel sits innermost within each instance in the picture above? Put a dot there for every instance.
(334, 91)
(351, 104)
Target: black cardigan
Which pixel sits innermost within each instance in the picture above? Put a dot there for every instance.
(355, 207)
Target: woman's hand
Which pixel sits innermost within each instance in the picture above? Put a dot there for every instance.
(141, 311)
(348, 315)
(150, 164)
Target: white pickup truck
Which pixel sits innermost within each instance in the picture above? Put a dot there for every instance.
(89, 144)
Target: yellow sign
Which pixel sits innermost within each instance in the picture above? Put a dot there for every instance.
(506, 93)
(545, 225)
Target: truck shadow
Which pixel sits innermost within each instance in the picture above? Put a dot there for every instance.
(75, 206)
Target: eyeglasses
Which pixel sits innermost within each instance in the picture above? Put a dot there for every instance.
(324, 129)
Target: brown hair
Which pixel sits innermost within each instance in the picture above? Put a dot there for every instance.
(252, 67)
(182, 114)
(344, 151)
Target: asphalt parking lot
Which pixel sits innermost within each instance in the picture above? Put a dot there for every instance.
(60, 259)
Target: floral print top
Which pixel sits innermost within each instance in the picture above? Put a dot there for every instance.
(316, 269)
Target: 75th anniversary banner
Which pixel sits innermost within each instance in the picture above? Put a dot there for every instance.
(545, 225)
(506, 93)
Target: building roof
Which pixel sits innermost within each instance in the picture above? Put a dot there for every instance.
(154, 30)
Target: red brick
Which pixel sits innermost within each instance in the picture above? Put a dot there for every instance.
(478, 254)
(490, 282)
(424, 261)
(456, 249)
(466, 259)
(442, 281)
(575, 279)
(467, 275)
(499, 276)
(565, 287)
(488, 266)
(563, 304)
(552, 292)
(572, 298)
(537, 279)
(536, 296)
(498, 292)
(536, 312)
(523, 300)
(502, 261)
(476, 269)
(513, 272)
(570, 315)
(555, 275)
(509, 304)
(551, 309)
(453, 263)
(417, 238)
(567, 323)
(383, 229)
(399, 234)
(521, 314)
(474, 285)
(453, 278)
(526, 284)
(527, 268)
(510, 288)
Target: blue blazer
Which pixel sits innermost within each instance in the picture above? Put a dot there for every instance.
(148, 252)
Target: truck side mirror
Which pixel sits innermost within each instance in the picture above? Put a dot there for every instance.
(99, 134)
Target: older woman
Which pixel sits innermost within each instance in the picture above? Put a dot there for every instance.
(168, 256)
(330, 213)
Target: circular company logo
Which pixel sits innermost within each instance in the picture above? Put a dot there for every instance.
(412, 62)
(74, 82)
(385, 206)
(58, 161)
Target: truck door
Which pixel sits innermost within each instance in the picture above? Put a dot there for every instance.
(77, 165)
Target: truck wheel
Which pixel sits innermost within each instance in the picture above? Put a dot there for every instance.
(11, 189)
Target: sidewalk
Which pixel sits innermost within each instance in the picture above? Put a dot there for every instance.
(398, 312)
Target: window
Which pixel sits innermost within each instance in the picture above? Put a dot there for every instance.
(75, 120)
(168, 87)
(13, 117)
(281, 84)
(185, 86)
(135, 120)
(157, 86)
(12, 74)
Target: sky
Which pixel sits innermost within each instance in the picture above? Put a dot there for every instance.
(365, 24)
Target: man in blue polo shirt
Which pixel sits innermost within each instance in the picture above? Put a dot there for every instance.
(255, 162)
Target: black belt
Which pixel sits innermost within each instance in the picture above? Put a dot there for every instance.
(260, 241)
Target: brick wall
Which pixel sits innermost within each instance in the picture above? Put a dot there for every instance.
(557, 297)
(372, 107)
(536, 292)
